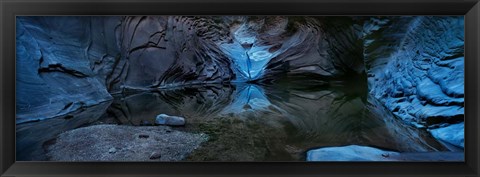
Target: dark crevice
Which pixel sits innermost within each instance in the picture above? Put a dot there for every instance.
(61, 68)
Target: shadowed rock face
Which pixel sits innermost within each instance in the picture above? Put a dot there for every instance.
(415, 67)
(167, 51)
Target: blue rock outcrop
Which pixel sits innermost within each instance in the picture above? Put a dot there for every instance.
(415, 67)
(453, 134)
(365, 153)
(61, 64)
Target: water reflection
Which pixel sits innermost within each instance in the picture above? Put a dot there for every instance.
(248, 97)
(299, 118)
(31, 137)
(191, 102)
(250, 122)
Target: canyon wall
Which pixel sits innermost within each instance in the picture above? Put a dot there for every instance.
(62, 64)
(415, 67)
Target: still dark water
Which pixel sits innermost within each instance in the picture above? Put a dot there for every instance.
(247, 122)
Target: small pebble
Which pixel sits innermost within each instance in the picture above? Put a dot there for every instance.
(155, 155)
(112, 150)
(143, 136)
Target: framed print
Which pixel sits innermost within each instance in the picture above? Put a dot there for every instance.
(251, 88)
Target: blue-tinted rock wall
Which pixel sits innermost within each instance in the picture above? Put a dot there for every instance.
(416, 67)
(61, 64)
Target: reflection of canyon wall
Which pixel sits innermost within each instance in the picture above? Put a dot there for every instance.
(341, 118)
(416, 67)
(321, 117)
(31, 137)
(199, 102)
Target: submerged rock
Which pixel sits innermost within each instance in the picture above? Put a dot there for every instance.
(164, 119)
(121, 143)
(453, 134)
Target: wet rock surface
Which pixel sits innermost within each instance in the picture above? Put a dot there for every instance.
(122, 143)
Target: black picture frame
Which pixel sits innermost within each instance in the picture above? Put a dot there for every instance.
(9, 9)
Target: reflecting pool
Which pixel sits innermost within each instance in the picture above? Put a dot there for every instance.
(247, 122)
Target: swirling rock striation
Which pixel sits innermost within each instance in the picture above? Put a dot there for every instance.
(168, 51)
(61, 64)
(415, 67)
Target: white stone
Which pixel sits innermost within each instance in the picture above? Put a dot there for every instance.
(163, 119)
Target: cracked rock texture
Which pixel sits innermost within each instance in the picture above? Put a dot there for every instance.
(415, 67)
